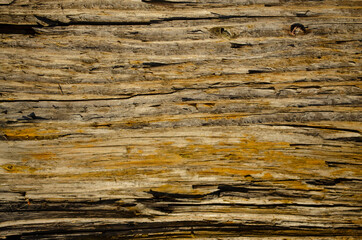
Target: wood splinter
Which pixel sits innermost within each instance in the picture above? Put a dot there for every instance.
(60, 88)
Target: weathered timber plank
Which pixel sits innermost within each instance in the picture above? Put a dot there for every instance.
(180, 119)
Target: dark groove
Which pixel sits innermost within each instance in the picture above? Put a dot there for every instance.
(8, 4)
(169, 228)
(312, 144)
(230, 188)
(335, 164)
(87, 100)
(165, 2)
(88, 23)
(347, 139)
(327, 182)
(264, 206)
(316, 127)
(29, 29)
(346, 41)
(70, 207)
(164, 195)
(254, 71)
(268, 191)
(240, 45)
(154, 64)
(17, 29)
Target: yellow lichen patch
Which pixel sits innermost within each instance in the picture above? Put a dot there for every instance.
(296, 185)
(135, 157)
(135, 62)
(271, 155)
(284, 201)
(31, 134)
(12, 168)
(77, 145)
(212, 91)
(188, 66)
(267, 176)
(357, 221)
(136, 124)
(293, 163)
(112, 175)
(311, 162)
(347, 172)
(252, 143)
(230, 158)
(43, 156)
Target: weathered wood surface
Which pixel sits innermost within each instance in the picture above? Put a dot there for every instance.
(180, 119)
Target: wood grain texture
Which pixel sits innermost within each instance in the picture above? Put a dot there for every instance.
(180, 119)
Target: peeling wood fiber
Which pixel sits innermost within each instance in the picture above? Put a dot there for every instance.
(159, 119)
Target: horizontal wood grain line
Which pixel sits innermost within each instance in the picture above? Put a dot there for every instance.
(190, 228)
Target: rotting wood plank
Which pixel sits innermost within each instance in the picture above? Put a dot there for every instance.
(180, 119)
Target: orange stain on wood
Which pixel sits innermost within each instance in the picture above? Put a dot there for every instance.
(267, 176)
(43, 156)
(228, 171)
(31, 134)
(296, 185)
(12, 168)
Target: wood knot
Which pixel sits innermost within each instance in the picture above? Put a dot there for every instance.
(9, 167)
(298, 29)
(222, 32)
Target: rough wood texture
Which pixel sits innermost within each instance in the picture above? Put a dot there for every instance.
(180, 119)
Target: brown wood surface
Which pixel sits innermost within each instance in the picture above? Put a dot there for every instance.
(208, 119)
